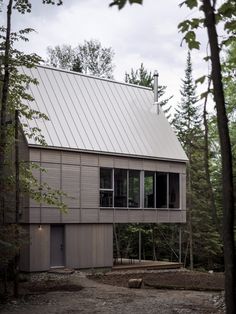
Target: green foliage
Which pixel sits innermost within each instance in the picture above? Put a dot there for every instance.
(122, 3)
(89, 58)
(14, 86)
(207, 246)
(143, 77)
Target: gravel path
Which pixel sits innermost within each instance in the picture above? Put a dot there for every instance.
(100, 298)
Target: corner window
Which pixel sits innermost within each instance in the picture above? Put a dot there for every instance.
(174, 190)
(149, 179)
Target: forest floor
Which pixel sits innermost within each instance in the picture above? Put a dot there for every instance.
(162, 292)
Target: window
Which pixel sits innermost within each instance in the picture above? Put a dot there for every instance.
(161, 190)
(106, 187)
(120, 180)
(105, 178)
(174, 190)
(134, 188)
(149, 179)
(122, 188)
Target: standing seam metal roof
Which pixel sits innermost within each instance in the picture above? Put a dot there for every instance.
(100, 115)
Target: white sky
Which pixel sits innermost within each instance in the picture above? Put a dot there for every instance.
(137, 34)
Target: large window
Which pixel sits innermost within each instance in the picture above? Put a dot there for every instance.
(122, 188)
(149, 179)
(134, 188)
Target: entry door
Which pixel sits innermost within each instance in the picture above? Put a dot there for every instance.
(57, 245)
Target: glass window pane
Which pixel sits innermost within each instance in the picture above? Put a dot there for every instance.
(149, 189)
(105, 178)
(134, 188)
(174, 190)
(106, 198)
(161, 190)
(120, 181)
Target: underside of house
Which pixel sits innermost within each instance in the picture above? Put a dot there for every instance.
(117, 160)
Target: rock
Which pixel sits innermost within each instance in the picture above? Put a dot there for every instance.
(135, 283)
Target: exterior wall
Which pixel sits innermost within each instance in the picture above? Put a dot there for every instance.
(86, 246)
(78, 175)
(89, 245)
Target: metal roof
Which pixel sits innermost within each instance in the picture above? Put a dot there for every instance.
(99, 115)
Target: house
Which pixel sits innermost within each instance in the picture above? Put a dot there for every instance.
(115, 157)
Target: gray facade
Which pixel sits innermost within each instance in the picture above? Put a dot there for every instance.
(88, 228)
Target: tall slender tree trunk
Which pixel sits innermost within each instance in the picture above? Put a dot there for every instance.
(17, 202)
(207, 168)
(116, 241)
(226, 157)
(3, 108)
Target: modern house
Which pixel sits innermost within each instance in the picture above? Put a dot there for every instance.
(117, 159)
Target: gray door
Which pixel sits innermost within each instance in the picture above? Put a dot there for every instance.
(57, 245)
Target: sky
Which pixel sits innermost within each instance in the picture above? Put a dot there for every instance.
(138, 34)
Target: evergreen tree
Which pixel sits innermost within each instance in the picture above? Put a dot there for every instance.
(143, 77)
(201, 238)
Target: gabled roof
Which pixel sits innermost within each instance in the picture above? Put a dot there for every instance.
(98, 115)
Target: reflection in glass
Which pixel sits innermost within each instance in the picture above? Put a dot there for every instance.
(174, 190)
(161, 190)
(134, 188)
(149, 189)
(120, 179)
(106, 198)
(105, 178)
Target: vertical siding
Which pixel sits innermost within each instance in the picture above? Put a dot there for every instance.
(89, 245)
(39, 248)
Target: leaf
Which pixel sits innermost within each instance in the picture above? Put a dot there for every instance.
(122, 3)
(191, 41)
(207, 58)
(201, 79)
(189, 3)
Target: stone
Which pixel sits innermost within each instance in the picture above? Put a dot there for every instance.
(135, 283)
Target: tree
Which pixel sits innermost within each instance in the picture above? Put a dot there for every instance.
(14, 98)
(89, 58)
(142, 77)
(201, 241)
(212, 15)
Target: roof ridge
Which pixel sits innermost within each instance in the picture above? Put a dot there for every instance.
(92, 76)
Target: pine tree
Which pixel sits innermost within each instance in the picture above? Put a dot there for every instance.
(143, 77)
(202, 240)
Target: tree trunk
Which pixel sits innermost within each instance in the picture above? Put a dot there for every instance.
(226, 157)
(207, 168)
(3, 108)
(154, 257)
(17, 200)
(116, 242)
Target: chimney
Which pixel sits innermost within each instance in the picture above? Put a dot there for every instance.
(156, 90)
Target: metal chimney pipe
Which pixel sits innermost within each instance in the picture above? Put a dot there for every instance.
(156, 75)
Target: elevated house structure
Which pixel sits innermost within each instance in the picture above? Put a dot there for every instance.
(117, 159)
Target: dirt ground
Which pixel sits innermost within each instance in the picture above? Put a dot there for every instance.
(187, 280)
(77, 293)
